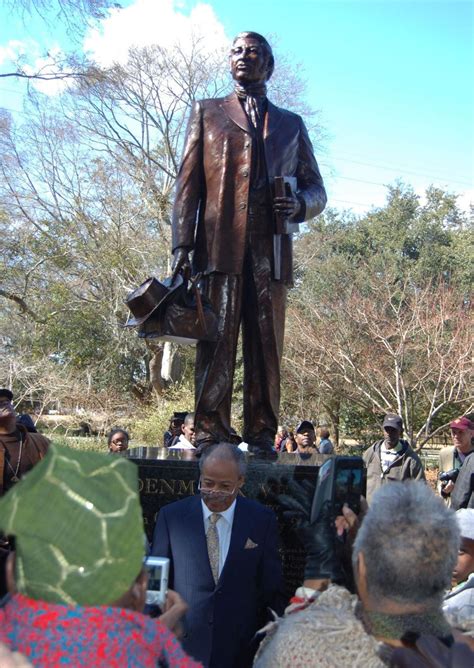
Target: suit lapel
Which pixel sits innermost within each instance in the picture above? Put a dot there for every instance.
(234, 111)
(272, 119)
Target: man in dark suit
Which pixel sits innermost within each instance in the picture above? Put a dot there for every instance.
(224, 211)
(224, 561)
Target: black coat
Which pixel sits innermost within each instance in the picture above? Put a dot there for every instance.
(462, 495)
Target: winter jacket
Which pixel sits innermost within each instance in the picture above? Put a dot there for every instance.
(407, 466)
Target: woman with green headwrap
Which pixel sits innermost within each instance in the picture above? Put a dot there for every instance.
(77, 581)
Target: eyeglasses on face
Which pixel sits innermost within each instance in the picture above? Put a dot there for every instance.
(207, 488)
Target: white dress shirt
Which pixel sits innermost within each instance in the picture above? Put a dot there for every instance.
(182, 444)
(224, 529)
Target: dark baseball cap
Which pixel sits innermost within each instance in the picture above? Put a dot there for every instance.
(393, 420)
(461, 423)
(6, 393)
(304, 424)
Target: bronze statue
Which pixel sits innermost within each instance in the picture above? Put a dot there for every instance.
(227, 212)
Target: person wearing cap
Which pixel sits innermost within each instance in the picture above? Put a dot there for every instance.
(77, 580)
(305, 438)
(391, 458)
(174, 430)
(458, 606)
(20, 449)
(462, 431)
(452, 458)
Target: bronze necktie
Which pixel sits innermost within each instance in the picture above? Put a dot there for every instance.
(212, 538)
(253, 112)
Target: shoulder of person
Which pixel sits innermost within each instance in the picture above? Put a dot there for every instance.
(181, 506)
(39, 438)
(212, 102)
(468, 463)
(289, 115)
(254, 507)
(408, 451)
(371, 450)
(445, 457)
(466, 470)
(200, 106)
(448, 450)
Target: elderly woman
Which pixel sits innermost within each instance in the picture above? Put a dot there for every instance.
(77, 582)
(403, 557)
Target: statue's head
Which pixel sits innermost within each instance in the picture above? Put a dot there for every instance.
(251, 58)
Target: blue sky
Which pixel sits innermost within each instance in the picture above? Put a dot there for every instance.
(393, 82)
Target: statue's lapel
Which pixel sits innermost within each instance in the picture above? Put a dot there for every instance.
(234, 111)
(272, 119)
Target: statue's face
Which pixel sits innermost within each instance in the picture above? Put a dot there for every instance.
(248, 61)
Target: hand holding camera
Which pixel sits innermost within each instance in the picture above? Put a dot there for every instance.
(448, 480)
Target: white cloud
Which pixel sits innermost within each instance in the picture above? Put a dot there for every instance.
(29, 57)
(149, 22)
(15, 49)
(45, 65)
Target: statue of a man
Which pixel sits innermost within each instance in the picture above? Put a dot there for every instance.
(224, 211)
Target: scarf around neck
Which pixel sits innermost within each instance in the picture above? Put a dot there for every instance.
(406, 627)
(257, 89)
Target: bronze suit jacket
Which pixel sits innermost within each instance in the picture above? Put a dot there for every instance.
(212, 188)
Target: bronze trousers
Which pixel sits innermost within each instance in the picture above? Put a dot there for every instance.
(258, 302)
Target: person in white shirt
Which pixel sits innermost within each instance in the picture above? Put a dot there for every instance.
(187, 437)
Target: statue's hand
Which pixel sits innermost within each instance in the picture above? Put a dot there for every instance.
(180, 262)
(287, 206)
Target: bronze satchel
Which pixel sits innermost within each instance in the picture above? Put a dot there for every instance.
(186, 317)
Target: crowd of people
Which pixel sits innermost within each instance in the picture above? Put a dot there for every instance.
(391, 586)
(73, 553)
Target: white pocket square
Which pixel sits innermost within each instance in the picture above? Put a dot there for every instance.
(250, 545)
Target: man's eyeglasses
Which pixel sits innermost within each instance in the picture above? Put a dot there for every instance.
(211, 491)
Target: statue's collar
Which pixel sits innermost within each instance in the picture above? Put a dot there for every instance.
(257, 89)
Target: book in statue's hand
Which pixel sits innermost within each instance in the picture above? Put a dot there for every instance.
(284, 186)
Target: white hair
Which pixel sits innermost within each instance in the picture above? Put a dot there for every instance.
(410, 541)
(224, 451)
